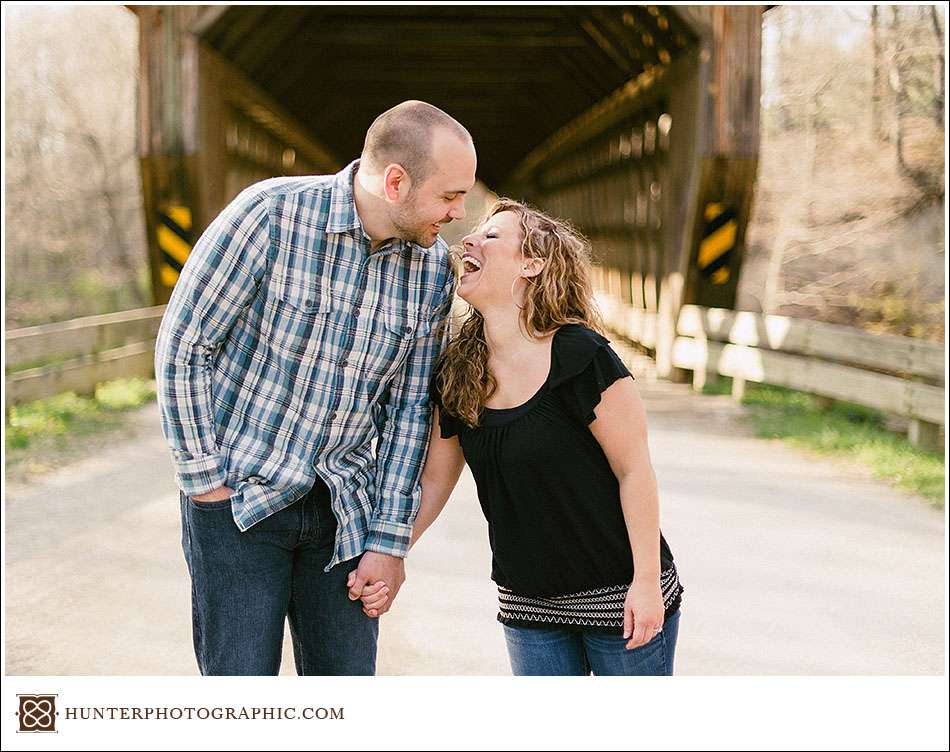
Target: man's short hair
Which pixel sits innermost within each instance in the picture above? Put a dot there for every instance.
(403, 135)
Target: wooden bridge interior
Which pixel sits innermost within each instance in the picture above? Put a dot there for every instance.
(638, 123)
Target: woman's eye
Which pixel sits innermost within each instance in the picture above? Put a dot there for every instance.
(490, 235)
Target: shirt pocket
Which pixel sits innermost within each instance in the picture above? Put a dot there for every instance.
(393, 336)
(403, 325)
(295, 323)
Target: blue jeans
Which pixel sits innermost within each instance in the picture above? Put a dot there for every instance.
(244, 585)
(539, 651)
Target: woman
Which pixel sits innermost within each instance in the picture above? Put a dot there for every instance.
(532, 396)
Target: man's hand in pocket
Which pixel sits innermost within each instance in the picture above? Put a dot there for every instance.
(219, 494)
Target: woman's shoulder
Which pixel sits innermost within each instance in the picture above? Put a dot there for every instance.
(574, 348)
(579, 336)
(583, 366)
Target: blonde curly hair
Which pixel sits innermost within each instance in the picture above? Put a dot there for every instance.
(562, 293)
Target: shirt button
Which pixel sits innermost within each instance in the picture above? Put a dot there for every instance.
(344, 363)
(406, 329)
(333, 415)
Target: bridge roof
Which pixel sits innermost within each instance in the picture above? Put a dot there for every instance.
(513, 75)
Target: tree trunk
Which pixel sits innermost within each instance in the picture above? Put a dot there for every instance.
(878, 131)
(900, 90)
(794, 210)
(941, 74)
(122, 255)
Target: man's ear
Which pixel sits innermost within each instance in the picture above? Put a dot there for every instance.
(396, 183)
(532, 267)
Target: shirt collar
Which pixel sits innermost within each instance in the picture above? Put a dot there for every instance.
(343, 215)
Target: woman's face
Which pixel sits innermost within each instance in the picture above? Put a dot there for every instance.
(492, 259)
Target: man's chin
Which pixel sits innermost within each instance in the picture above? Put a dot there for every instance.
(426, 240)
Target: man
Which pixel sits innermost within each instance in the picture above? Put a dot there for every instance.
(305, 325)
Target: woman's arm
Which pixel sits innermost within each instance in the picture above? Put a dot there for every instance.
(621, 429)
(444, 463)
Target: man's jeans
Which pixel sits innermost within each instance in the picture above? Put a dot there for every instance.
(539, 651)
(244, 585)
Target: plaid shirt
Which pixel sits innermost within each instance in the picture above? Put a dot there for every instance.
(289, 346)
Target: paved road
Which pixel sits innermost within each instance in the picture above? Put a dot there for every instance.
(792, 565)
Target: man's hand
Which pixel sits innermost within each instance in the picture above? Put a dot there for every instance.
(219, 494)
(373, 569)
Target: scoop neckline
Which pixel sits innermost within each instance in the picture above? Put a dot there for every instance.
(536, 395)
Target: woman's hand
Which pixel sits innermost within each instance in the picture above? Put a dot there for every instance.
(374, 596)
(642, 611)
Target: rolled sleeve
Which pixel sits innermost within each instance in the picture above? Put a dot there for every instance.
(219, 278)
(389, 537)
(403, 443)
(198, 475)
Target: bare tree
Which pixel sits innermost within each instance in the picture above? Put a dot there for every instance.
(75, 236)
(877, 86)
(841, 231)
(939, 70)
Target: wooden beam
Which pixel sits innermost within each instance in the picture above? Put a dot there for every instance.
(80, 375)
(611, 109)
(260, 106)
(845, 344)
(889, 394)
(207, 18)
(64, 340)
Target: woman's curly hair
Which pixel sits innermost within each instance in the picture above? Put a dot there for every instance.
(562, 293)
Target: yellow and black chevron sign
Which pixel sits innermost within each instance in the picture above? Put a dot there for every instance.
(719, 239)
(174, 241)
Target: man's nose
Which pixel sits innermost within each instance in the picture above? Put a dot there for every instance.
(458, 208)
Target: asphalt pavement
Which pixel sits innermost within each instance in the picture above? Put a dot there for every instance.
(792, 564)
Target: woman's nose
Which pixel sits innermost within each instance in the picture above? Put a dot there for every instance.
(468, 241)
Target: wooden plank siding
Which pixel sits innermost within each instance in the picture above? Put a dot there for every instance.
(76, 355)
(899, 376)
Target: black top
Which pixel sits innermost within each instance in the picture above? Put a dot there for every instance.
(552, 502)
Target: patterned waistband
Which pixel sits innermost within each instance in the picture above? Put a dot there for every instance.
(602, 607)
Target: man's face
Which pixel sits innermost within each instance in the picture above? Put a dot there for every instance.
(441, 196)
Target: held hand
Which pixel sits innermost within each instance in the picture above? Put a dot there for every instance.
(374, 595)
(373, 569)
(642, 612)
(219, 494)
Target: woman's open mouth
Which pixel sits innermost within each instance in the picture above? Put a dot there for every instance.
(470, 266)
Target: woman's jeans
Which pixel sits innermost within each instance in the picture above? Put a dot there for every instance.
(539, 651)
(244, 585)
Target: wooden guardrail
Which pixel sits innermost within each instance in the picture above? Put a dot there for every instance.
(42, 361)
(897, 375)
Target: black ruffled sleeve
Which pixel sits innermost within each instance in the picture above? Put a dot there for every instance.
(448, 424)
(584, 366)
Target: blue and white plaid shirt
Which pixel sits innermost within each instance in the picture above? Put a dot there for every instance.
(289, 346)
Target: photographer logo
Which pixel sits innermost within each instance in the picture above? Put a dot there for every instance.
(37, 713)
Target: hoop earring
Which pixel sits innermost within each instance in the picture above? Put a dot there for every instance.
(512, 293)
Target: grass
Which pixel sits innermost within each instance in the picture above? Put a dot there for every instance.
(43, 434)
(844, 431)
